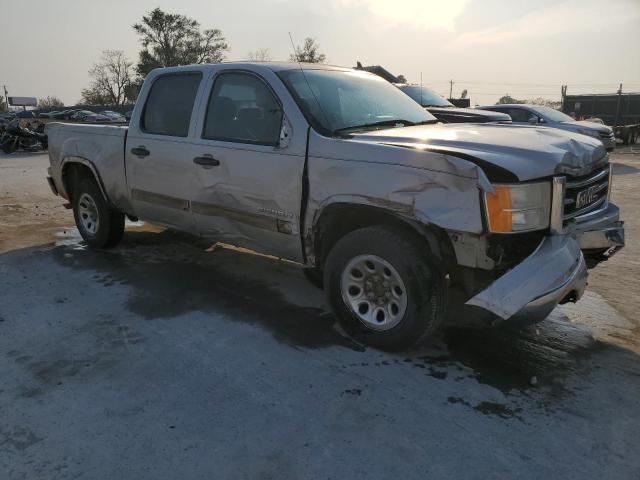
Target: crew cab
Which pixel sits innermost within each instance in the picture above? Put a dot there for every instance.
(383, 206)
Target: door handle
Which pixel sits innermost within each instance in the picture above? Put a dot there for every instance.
(140, 151)
(206, 161)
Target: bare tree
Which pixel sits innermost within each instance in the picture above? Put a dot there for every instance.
(111, 80)
(260, 55)
(50, 102)
(170, 39)
(308, 53)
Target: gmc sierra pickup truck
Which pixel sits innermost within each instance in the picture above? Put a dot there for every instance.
(340, 171)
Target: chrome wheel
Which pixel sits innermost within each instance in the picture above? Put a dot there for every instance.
(88, 214)
(374, 291)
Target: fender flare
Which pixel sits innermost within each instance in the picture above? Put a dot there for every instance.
(87, 163)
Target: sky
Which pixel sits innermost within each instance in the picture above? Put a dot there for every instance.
(523, 48)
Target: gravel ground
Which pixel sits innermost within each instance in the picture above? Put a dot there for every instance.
(164, 359)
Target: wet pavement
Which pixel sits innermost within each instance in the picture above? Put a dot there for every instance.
(166, 358)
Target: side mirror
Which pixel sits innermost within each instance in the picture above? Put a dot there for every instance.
(533, 120)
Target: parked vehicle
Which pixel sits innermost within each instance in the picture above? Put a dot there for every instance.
(14, 137)
(115, 117)
(525, 114)
(438, 106)
(25, 114)
(621, 111)
(387, 209)
(81, 114)
(96, 118)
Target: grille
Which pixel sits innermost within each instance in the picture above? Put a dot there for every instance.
(586, 194)
(607, 136)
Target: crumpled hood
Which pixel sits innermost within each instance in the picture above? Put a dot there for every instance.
(529, 152)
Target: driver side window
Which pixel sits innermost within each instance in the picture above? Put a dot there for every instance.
(242, 109)
(520, 115)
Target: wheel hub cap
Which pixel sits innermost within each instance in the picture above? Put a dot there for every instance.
(88, 214)
(374, 291)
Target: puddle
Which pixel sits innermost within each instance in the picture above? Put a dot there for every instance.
(170, 274)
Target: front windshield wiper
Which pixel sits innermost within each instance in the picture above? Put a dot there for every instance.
(384, 123)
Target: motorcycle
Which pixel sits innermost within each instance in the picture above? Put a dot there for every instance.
(15, 137)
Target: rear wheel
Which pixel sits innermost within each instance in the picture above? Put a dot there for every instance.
(385, 289)
(99, 224)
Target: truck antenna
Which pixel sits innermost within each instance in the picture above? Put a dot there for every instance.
(304, 75)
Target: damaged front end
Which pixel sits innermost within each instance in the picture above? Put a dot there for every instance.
(555, 272)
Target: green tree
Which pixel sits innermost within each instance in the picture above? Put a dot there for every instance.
(308, 53)
(111, 78)
(50, 102)
(170, 39)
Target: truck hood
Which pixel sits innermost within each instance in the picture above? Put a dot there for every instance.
(582, 124)
(527, 152)
(467, 115)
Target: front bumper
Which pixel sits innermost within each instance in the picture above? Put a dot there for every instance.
(555, 272)
(601, 237)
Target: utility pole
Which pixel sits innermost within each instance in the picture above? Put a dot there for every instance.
(450, 89)
(615, 124)
(6, 96)
(563, 94)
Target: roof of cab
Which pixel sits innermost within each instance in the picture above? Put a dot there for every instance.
(273, 66)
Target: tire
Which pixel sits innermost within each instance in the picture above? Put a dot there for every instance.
(314, 276)
(420, 297)
(99, 224)
(8, 144)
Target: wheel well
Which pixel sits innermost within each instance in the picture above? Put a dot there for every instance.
(73, 173)
(340, 219)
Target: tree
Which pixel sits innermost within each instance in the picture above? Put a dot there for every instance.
(169, 40)
(402, 79)
(508, 99)
(260, 55)
(50, 102)
(111, 80)
(308, 53)
(3, 105)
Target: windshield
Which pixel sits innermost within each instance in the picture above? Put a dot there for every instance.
(553, 114)
(424, 96)
(335, 100)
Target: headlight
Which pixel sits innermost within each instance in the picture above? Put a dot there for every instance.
(518, 208)
(591, 133)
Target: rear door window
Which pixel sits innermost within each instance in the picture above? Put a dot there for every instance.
(170, 103)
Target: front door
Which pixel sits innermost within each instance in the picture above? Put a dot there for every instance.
(160, 173)
(249, 181)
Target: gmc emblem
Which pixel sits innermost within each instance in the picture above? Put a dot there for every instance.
(585, 197)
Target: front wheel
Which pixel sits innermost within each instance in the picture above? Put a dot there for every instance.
(99, 225)
(385, 289)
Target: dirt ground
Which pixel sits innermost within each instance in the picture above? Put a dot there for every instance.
(163, 359)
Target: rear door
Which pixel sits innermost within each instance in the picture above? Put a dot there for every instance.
(160, 171)
(249, 179)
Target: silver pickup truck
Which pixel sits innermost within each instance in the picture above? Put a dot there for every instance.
(338, 170)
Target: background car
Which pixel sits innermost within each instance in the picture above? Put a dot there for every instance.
(447, 112)
(525, 114)
(96, 118)
(79, 115)
(114, 116)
